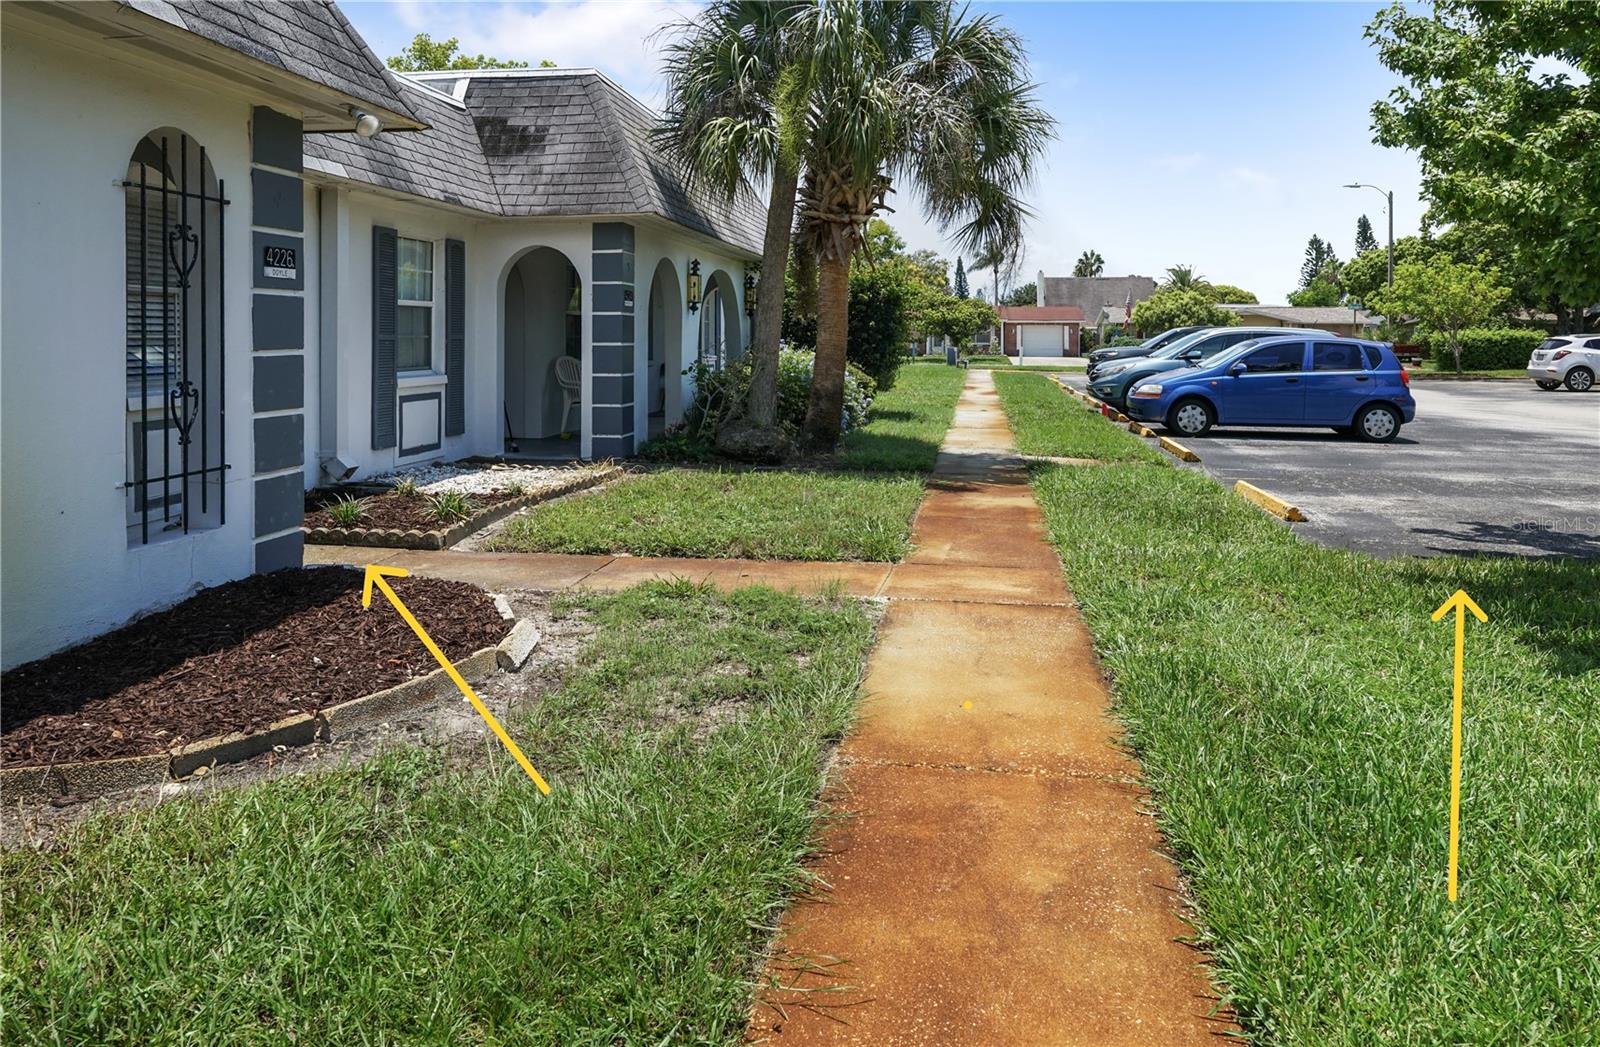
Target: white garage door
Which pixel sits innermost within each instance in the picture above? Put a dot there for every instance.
(1043, 339)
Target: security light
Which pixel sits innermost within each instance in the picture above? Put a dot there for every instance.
(367, 125)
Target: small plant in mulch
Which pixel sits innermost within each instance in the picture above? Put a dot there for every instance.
(516, 489)
(448, 507)
(405, 487)
(347, 511)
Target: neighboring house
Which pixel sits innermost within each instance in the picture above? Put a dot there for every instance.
(219, 293)
(1090, 294)
(1040, 331)
(1112, 321)
(1351, 323)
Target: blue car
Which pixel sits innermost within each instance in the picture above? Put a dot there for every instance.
(1352, 386)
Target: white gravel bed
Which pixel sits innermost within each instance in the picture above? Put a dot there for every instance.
(439, 477)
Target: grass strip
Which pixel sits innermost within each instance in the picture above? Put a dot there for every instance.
(422, 901)
(763, 515)
(1290, 705)
(906, 423)
(1048, 422)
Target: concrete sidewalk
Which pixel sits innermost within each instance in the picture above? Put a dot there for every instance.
(996, 883)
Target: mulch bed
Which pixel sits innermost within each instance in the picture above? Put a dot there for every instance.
(234, 658)
(398, 512)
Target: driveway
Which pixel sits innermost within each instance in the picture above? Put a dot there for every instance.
(1488, 467)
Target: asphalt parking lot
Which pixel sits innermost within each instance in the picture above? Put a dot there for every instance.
(1490, 467)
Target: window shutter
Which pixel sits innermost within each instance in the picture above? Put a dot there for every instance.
(384, 388)
(455, 337)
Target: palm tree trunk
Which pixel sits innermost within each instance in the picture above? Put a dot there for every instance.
(763, 403)
(823, 412)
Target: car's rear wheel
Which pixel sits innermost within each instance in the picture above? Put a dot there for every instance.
(1546, 384)
(1580, 379)
(1378, 423)
(1191, 417)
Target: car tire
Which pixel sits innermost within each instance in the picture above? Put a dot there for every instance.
(1547, 385)
(1580, 379)
(1377, 423)
(1191, 417)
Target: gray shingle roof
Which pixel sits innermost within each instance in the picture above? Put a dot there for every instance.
(443, 163)
(1307, 316)
(309, 38)
(539, 143)
(1091, 293)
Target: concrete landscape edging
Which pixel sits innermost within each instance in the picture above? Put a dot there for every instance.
(444, 537)
(93, 778)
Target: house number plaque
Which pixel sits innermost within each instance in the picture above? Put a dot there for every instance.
(278, 263)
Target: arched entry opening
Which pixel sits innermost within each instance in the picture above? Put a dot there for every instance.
(720, 333)
(543, 356)
(664, 373)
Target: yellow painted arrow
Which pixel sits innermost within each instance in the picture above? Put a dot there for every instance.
(375, 576)
(1462, 604)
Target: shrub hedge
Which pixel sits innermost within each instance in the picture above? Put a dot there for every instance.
(1486, 348)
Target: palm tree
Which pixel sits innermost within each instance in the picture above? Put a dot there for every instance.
(738, 77)
(1184, 278)
(998, 257)
(922, 93)
(1089, 264)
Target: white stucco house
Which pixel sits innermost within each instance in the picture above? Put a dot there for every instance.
(222, 288)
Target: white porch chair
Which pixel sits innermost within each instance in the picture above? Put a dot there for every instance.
(569, 376)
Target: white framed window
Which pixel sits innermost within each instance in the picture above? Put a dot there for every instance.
(415, 313)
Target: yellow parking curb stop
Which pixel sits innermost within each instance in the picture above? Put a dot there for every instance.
(1177, 450)
(1271, 503)
(1140, 429)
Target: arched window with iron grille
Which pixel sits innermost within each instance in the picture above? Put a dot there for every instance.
(174, 360)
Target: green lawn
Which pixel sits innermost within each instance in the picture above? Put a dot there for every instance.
(410, 901)
(1049, 422)
(907, 422)
(764, 515)
(1290, 705)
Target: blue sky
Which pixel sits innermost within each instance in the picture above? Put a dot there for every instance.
(1211, 134)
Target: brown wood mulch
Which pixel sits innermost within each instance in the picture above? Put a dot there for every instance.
(236, 657)
(401, 512)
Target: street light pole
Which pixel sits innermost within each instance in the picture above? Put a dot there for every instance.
(1388, 195)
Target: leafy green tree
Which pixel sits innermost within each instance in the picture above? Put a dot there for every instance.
(959, 319)
(1445, 296)
(1369, 270)
(1319, 255)
(1179, 308)
(1022, 294)
(1184, 278)
(1228, 293)
(1089, 264)
(960, 289)
(1501, 143)
(934, 95)
(423, 55)
(1365, 241)
(1321, 291)
(880, 241)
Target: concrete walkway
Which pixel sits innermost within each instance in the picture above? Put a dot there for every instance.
(996, 883)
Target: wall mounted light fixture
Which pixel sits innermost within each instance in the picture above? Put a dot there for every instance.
(750, 293)
(694, 286)
(367, 125)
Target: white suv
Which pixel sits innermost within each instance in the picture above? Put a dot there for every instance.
(1572, 360)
